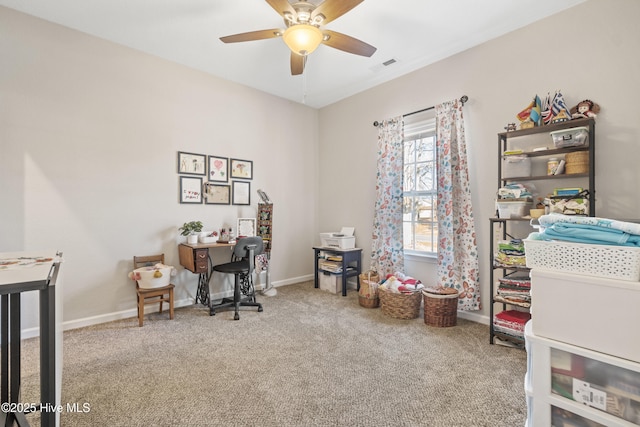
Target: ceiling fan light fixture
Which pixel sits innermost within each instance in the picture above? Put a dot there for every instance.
(302, 38)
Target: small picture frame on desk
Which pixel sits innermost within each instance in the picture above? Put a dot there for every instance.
(246, 227)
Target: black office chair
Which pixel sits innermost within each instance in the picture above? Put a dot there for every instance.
(242, 266)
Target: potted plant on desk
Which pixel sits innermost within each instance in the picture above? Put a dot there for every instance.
(191, 230)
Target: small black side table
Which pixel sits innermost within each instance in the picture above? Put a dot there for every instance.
(349, 256)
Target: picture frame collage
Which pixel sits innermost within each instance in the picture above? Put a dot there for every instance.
(214, 180)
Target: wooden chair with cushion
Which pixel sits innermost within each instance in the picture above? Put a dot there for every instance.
(152, 295)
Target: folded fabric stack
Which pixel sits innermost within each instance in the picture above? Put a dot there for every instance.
(515, 191)
(510, 254)
(511, 323)
(590, 230)
(514, 290)
(399, 283)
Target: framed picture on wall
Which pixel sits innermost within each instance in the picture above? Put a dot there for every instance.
(241, 192)
(218, 169)
(190, 189)
(192, 164)
(216, 194)
(241, 169)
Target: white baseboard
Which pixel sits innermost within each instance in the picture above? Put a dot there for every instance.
(104, 318)
(133, 312)
(474, 317)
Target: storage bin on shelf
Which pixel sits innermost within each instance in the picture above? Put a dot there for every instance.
(569, 205)
(511, 208)
(616, 262)
(440, 306)
(574, 137)
(516, 166)
(577, 162)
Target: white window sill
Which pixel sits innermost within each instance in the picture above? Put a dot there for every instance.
(429, 258)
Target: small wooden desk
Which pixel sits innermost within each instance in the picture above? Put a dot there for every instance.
(196, 259)
(349, 256)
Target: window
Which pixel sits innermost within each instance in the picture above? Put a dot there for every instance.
(419, 219)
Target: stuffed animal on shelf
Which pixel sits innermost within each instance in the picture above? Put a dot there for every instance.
(585, 109)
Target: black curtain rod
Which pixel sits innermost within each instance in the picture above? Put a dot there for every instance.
(463, 99)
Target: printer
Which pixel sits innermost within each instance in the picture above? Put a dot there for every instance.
(339, 240)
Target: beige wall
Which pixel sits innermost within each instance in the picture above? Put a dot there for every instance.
(589, 51)
(89, 133)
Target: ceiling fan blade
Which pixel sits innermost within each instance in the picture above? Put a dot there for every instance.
(252, 35)
(333, 9)
(297, 64)
(282, 6)
(347, 43)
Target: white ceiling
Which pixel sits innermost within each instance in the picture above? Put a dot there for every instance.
(415, 33)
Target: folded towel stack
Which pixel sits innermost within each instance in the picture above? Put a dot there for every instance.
(590, 230)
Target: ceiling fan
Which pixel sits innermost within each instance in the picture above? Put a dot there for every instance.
(303, 34)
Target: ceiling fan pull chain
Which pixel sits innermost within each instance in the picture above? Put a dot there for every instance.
(304, 87)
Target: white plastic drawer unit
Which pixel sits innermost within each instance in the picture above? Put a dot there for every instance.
(592, 312)
(566, 385)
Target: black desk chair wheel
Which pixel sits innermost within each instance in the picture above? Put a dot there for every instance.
(241, 266)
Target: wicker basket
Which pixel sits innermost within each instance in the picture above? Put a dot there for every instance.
(400, 305)
(368, 292)
(440, 307)
(577, 157)
(571, 168)
(577, 162)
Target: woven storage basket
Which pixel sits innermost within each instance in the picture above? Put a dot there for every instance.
(440, 307)
(368, 294)
(571, 168)
(577, 157)
(400, 305)
(615, 262)
(577, 162)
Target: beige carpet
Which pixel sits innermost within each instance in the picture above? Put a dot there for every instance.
(310, 359)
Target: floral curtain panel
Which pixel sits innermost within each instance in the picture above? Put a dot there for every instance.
(387, 254)
(457, 248)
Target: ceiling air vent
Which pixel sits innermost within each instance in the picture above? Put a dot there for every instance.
(381, 66)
